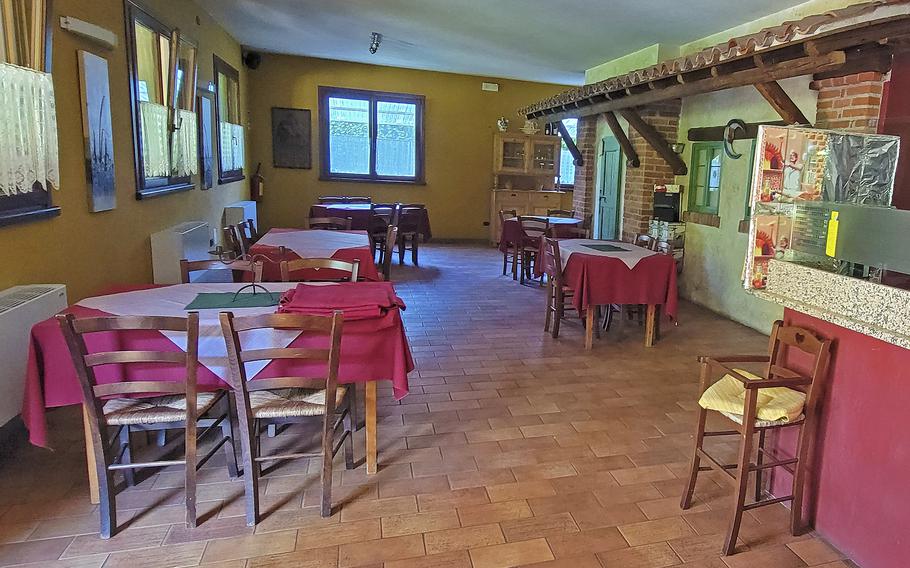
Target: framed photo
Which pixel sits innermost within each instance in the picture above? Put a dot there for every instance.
(291, 138)
(205, 107)
(96, 127)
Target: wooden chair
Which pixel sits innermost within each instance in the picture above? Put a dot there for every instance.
(508, 253)
(382, 216)
(175, 405)
(249, 230)
(561, 213)
(532, 230)
(387, 252)
(646, 241)
(316, 264)
(559, 296)
(354, 199)
(288, 399)
(409, 230)
(568, 232)
(783, 340)
(330, 223)
(233, 244)
(188, 266)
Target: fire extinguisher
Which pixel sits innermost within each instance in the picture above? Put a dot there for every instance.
(256, 184)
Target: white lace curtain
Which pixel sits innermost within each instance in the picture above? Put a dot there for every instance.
(184, 152)
(231, 146)
(155, 153)
(28, 131)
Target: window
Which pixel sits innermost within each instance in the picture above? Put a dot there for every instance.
(162, 69)
(371, 136)
(704, 181)
(28, 127)
(227, 115)
(566, 161)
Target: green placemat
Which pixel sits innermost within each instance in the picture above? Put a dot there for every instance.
(606, 248)
(215, 300)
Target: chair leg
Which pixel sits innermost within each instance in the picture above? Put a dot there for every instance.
(686, 501)
(249, 434)
(560, 304)
(401, 244)
(505, 262)
(759, 458)
(742, 483)
(799, 480)
(190, 470)
(327, 443)
(515, 259)
(414, 249)
(349, 425)
(108, 506)
(550, 307)
(126, 455)
(228, 429)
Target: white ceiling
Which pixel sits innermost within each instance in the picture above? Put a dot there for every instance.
(540, 40)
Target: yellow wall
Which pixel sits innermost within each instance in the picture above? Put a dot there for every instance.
(89, 251)
(459, 124)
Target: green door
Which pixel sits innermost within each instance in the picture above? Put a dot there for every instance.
(608, 190)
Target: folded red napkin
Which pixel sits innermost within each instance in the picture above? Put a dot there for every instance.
(358, 300)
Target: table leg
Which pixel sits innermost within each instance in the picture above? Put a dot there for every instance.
(650, 325)
(94, 495)
(370, 408)
(589, 327)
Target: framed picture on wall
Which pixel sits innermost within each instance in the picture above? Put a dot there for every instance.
(291, 138)
(96, 127)
(205, 107)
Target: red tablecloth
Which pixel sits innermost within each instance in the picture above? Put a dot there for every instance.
(271, 270)
(511, 230)
(360, 216)
(600, 280)
(373, 349)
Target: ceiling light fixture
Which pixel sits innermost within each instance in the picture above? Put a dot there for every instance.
(375, 40)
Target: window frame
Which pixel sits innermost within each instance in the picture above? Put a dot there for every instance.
(134, 14)
(693, 205)
(222, 67)
(39, 203)
(564, 147)
(373, 97)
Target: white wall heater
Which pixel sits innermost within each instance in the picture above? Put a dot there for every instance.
(21, 307)
(188, 240)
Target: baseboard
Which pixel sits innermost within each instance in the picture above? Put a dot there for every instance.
(460, 241)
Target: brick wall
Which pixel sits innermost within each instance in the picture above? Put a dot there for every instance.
(586, 140)
(850, 103)
(638, 192)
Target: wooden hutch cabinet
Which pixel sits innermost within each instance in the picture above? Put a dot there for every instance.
(525, 173)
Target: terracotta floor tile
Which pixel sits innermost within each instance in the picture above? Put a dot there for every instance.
(649, 532)
(250, 546)
(511, 554)
(668, 507)
(174, 556)
(520, 490)
(463, 538)
(649, 556)
(536, 527)
(493, 512)
(592, 541)
(34, 551)
(375, 508)
(402, 487)
(343, 533)
(130, 539)
(309, 558)
(414, 523)
(453, 499)
(467, 479)
(642, 474)
(456, 559)
(581, 561)
(814, 552)
(778, 556)
(375, 551)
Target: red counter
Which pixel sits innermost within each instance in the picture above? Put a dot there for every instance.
(859, 496)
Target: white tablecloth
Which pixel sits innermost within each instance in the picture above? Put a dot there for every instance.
(630, 254)
(315, 243)
(171, 301)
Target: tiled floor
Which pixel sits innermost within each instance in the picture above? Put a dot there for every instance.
(512, 449)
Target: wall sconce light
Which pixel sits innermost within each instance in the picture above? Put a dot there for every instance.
(678, 147)
(375, 40)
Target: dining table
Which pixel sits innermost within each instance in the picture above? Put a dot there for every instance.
(605, 272)
(361, 213)
(314, 243)
(372, 349)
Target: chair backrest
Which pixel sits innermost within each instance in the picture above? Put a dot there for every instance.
(391, 237)
(188, 266)
(646, 241)
(74, 331)
(232, 241)
(568, 232)
(507, 214)
(533, 227)
(785, 338)
(250, 226)
(351, 268)
(329, 327)
(561, 213)
(381, 216)
(330, 223)
(552, 264)
(409, 218)
(328, 199)
(664, 247)
(358, 199)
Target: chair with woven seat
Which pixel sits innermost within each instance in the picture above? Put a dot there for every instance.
(244, 267)
(330, 223)
(231, 241)
(382, 216)
(315, 265)
(532, 230)
(569, 213)
(568, 232)
(290, 399)
(163, 405)
(559, 295)
(387, 252)
(750, 404)
(507, 248)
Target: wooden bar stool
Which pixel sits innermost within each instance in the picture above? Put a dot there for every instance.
(779, 384)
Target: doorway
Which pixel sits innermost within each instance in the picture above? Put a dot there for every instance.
(608, 189)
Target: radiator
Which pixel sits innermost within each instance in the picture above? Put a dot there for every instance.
(188, 240)
(21, 307)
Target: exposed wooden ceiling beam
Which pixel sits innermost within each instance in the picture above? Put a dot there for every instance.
(570, 144)
(781, 102)
(864, 58)
(716, 133)
(774, 72)
(654, 138)
(620, 135)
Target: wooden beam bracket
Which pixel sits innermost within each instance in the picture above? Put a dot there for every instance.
(620, 135)
(577, 159)
(656, 140)
(781, 102)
